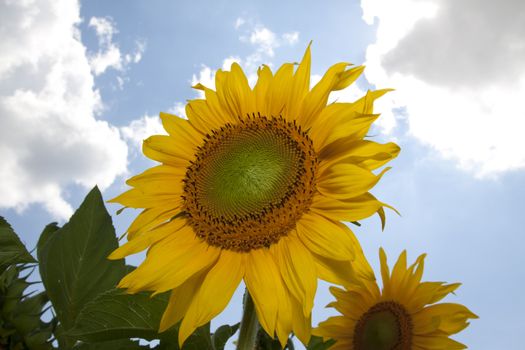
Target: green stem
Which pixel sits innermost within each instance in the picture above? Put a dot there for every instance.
(249, 325)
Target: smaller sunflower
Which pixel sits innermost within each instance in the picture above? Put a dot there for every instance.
(403, 316)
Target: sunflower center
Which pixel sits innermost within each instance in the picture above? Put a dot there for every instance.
(250, 183)
(385, 326)
(248, 171)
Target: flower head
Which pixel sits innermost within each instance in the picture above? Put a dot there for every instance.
(405, 315)
(252, 187)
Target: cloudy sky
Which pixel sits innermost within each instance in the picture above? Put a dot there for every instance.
(81, 84)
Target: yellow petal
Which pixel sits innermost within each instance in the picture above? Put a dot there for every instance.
(351, 209)
(215, 292)
(366, 103)
(213, 112)
(399, 272)
(238, 84)
(136, 198)
(180, 300)
(341, 180)
(333, 271)
(444, 291)
(205, 115)
(261, 89)
(326, 237)
(385, 273)
(279, 91)
(265, 285)
(453, 317)
(428, 293)
(162, 179)
(166, 150)
(300, 85)
(297, 270)
(181, 129)
(170, 262)
(366, 154)
(147, 239)
(302, 324)
(234, 93)
(284, 323)
(347, 77)
(436, 342)
(148, 219)
(315, 101)
(352, 304)
(340, 121)
(336, 327)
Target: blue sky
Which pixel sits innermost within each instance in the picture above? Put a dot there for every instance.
(89, 80)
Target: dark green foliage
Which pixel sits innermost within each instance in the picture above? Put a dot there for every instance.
(12, 249)
(21, 326)
(73, 259)
(222, 334)
(265, 342)
(317, 343)
(87, 311)
(115, 315)
(119, 344)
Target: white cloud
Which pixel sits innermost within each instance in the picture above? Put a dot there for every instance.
(140, 129)
(239, 22)
(179, 109)
(458, 68)
(206, 77)
(290, 38)
(50, 137)
(109, 54)
(265, 40)
(227, 62)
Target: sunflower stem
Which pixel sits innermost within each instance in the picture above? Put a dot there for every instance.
(249, 325)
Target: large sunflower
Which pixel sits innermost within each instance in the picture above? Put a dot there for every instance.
(253, 186)
(404, 316)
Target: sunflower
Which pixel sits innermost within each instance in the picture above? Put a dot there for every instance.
(252, 187)
(404, 316)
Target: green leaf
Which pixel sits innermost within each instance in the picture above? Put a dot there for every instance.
(27, 313)
(317, 343)
(46, 234)
(265, 342)
(222, 334)
(20, 312)
(73, 259)
(114, 315)
(199, 340)
(119, 344)
(12, 250)
(12, 291)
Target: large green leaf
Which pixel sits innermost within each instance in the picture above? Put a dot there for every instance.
(114, 315)
(12, 250)
(119, 344)
(46, 234)
(198, 340)
(73, 259)
(20, 324)
(222, 334)
(317, 343)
